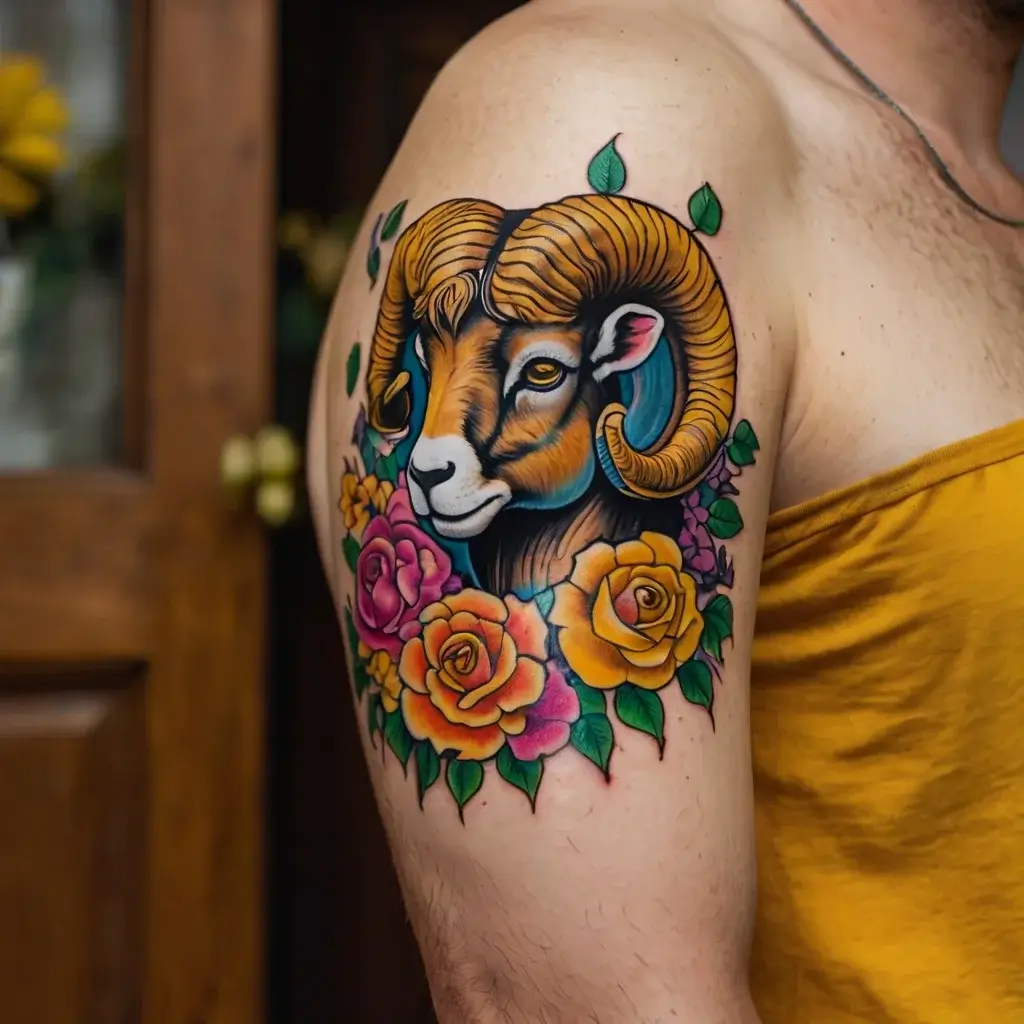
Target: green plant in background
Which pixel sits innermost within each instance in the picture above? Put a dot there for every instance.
(313, 258)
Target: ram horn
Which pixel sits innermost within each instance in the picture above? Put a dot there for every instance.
(585, 253)
(451, 238)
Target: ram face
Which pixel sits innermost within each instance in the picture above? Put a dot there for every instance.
(578, 360)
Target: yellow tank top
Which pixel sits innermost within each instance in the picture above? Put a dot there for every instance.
(888, 745)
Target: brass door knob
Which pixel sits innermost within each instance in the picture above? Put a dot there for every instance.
(265, 467)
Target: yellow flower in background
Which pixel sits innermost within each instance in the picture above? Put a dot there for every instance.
(32, 115)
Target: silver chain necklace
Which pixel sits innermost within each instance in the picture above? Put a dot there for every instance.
(945, 174)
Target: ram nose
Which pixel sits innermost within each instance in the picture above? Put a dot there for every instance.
(431, 478)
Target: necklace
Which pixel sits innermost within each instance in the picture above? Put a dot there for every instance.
(941, 167)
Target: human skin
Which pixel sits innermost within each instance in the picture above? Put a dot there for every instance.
(876, 319)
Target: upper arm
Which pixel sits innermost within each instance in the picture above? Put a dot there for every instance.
(553, 593)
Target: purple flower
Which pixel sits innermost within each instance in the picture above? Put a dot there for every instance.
(694, 514)
(547, 721)
(719, 473)
(400, 570)
(698, 547)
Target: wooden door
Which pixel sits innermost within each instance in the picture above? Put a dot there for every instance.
(131, 593)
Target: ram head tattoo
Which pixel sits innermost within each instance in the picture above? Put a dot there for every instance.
(558, 372)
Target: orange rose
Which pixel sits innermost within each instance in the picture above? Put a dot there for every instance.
(383, 673)
(628, 614)
(479, 663)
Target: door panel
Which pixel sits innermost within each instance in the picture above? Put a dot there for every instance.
(132, 604)
(71, 785)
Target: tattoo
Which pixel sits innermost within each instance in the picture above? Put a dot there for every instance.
(544, 479)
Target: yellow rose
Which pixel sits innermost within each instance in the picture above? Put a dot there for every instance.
(628, 614)
(358, 497)
(383, 672)
(31, 118)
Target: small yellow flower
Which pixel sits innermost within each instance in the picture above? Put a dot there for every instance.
(384, 674)
(361, 496)
(31, 116)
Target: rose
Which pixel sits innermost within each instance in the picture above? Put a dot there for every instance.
(400, 570)
(383, 673)
(360, 497)
(628, 614)
(547, 721)
(478, 664)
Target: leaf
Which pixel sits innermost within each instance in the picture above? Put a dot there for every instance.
(641, 710)
(393, 221)
(740, 454)
(708, 494)
(706, 210)
(717, 625)
(592, 736)
(697, 684)
(724, 519)
(606, 171)
(387, 468)
(360, 678)
(398, 737)
(352, 368)
(744, 434)
(464, 780)
(375, 234)
(374, 715)
(350, 549)
(524, 775)
(428, 768)
(592, 701)
(373, 264)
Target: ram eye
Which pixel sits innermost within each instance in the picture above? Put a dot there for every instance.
(543, 374)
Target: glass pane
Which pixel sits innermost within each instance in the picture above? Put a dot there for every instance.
(62, 75)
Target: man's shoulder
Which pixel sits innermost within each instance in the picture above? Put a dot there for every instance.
(677, 70)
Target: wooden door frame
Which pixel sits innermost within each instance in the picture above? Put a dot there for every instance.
(146, 565)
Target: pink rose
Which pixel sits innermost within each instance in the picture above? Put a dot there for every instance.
(399, 572)
(547, 721)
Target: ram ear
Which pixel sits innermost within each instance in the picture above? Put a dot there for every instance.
(627, 337)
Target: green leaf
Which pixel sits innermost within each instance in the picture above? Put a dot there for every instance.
(606, 172)
(592, 701)
(360, 678)
(740, 454)
(398, 737)
(373, 264)
(706, 210)
(428, 768)
(350, 549)
(641, 710)
(374, 715)
(524, 775)
(393, 221)
(592, 736)
(697, 683)
(387, 468)
(464, 780)
(717, 625)
(744, 433)
(352, 368)
(724, 519)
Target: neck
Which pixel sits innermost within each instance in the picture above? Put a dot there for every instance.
(948, 63)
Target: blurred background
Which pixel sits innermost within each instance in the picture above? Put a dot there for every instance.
(186, 829)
